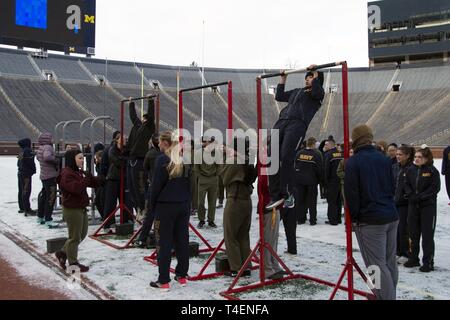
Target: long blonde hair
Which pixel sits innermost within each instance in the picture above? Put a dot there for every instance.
(176, 166)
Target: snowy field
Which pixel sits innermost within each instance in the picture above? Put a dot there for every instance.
(126, 275)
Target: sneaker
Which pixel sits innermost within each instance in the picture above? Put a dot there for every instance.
(82, 268)
(40, 220)
(289, 203)
(274, 204)
(158, 285)
(411, 263)
(181, 280)
(140, 244)
(62, 258)
(426, 268)
(230, 273)
(51, 224)
(201, 225)
(30, 212)
(212, 225)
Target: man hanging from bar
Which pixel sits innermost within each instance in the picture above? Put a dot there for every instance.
(140, 135)
(303, 104)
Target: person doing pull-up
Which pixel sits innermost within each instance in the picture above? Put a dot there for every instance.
(303, 104)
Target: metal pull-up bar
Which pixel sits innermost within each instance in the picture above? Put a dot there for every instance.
(288, 72)
(212, 85)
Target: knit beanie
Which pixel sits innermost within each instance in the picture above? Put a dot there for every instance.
(361, 135)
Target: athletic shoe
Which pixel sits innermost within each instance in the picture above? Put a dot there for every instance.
(51, 224)
(232, 274)
(30, 212)
(411, 263)
(201, 225)
(289, 203)
(82, 268)
(40, 220)
(181, 280)
(212, 225)
(162, 287)
(140, 244)
(62, 258)
(426, 268)
(274, 204)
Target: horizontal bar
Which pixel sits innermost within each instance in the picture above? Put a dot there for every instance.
(151, 96)
(206, 86)
(287, 72)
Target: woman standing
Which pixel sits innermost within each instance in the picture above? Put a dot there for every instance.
(422, 186)
(405, 159)
(170, 200)
(238, 176)
(73, 183)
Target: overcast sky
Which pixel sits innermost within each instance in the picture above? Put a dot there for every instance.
(238, 33)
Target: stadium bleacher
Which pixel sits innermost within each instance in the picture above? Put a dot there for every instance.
(423, 100)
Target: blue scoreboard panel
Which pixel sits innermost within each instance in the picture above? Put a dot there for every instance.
(61, 25)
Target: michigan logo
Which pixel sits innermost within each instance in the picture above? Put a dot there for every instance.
(89, 19)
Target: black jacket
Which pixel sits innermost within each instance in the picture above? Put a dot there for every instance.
(302, 104)
(332, 159)
(446, 161)
(141, 133)
(116, 162)
(308, 167)
(165, 190)
(369, 187)
(25, 160)
(399, 173)
(149, 161)
(422, 185)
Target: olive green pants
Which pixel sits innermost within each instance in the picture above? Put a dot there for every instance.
(236, 227)
(207, 186)
(77, 225)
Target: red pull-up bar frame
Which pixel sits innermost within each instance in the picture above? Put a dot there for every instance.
(261, 245)
(121, 207)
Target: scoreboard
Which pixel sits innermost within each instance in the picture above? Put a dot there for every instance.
(60, 25)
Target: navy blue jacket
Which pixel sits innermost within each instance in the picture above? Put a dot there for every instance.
(302, 104)
(165, 190)
(422, 185)
(25, 160)
(369, 187)
(446, 161)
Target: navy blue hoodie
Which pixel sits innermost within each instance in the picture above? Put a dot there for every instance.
(302, 104)
(25, 159)
(369, 187)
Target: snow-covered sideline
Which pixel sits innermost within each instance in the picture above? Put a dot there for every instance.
(126, 275)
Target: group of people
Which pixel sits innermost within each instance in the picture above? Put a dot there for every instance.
(390, 191)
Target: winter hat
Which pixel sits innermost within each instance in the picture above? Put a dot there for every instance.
(98, 147)
(361, 135)
(70, 159)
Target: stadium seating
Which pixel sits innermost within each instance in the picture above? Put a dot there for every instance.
(418, 112)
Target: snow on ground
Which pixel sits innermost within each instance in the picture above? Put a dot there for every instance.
(35, 273)
(321, 254)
